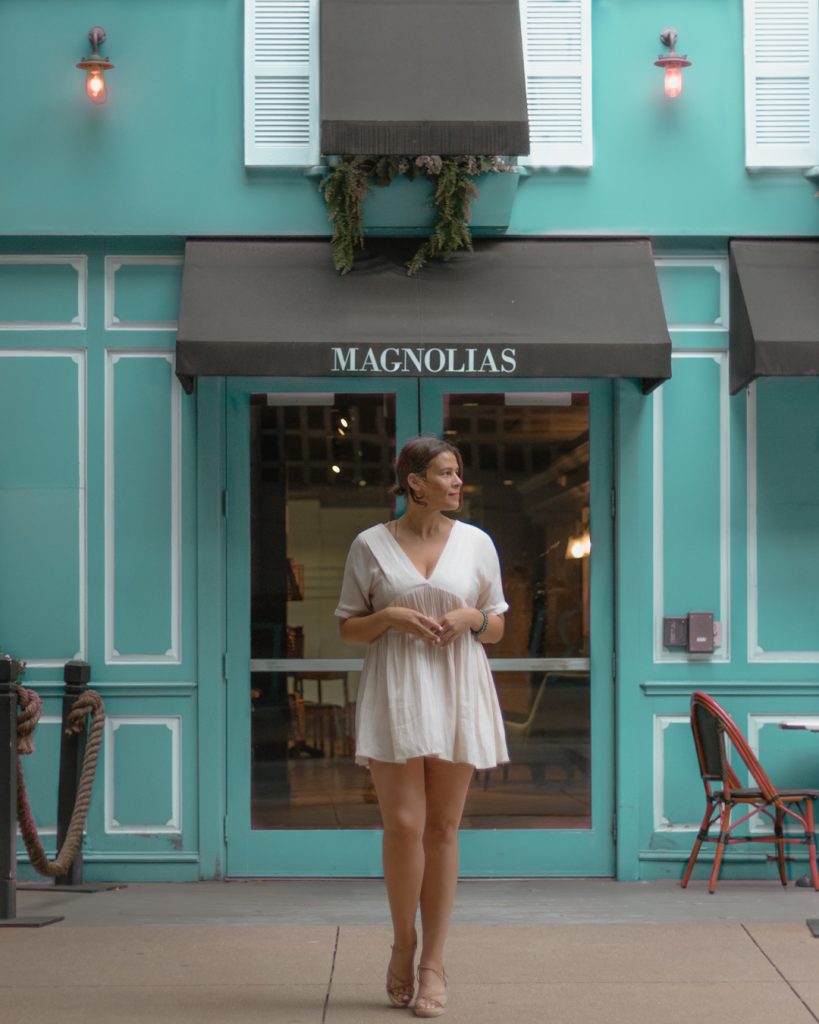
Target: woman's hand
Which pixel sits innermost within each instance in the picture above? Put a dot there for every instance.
(409, 620)
(457, 622)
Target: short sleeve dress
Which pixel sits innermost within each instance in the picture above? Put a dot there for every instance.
(416, 699)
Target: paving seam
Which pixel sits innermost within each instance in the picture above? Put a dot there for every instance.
(781, 975)
(330, 980)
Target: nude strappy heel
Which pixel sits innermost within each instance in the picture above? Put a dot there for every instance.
(399, 990)
(430, 1006)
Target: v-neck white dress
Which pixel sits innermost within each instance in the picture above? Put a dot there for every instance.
(416, 699)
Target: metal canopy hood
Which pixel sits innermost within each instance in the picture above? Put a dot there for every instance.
(513, 308)
(774, 309)
(417, 77)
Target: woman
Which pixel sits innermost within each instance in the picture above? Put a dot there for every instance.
(424, 592)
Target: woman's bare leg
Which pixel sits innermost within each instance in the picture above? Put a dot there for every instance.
(446, 788)
(401, 799)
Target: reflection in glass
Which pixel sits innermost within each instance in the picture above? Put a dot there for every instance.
(526, 466)
(321, 470)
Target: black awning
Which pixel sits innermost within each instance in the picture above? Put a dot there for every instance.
(774, 310)
(417, 77)
(513, 308)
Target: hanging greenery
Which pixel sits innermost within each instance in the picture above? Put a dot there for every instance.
(348, 183)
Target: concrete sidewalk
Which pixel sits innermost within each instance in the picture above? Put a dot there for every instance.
(293, 952)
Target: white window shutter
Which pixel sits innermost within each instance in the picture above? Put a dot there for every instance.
(281, 83)
(557, 53)
(781, 83)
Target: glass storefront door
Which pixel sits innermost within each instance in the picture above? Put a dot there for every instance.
(309, 466)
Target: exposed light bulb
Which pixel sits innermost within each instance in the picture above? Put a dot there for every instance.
(95, 87)
(673, 82)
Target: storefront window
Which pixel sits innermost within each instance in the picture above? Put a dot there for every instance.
(321, 471)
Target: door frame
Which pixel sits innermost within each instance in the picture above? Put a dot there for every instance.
(579, 852)
(357, 852)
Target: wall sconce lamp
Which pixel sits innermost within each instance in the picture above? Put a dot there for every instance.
(673, 63)
(95, 65)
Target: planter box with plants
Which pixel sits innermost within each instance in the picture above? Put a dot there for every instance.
(427, 191)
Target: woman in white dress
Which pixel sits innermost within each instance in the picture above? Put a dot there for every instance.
(424, 593)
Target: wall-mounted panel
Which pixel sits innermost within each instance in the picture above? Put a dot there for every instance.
(142, 292)
(43, 293)
(694, 292)
(787, 755)
(43, 531)
(679, 800)
(41, 770)
(143, 774)
(142, 509)
(691, 473)
(783, 520)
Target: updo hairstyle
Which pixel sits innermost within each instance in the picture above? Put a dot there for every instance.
(414, 457)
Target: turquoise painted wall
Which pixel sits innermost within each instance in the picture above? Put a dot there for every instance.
(87, 323)
(164, 156)
(718, 509)
(98, 533)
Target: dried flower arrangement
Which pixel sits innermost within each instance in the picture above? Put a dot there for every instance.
(348, 183)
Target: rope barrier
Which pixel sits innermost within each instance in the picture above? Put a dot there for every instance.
(88, 703)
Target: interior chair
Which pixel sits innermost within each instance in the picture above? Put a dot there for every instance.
(715, 735)
(328, 725)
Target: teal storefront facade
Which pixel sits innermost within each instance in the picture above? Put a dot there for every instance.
(126, 506)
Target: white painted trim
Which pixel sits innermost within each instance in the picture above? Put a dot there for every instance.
(661, 822)
(47, 830)
(174, 824)
(756, 723)
(356, 664)
(658, 525)
(112, 265)
(757, 654)
(720, 265)
(722, 654)
(173, 655)
(78, 322)
(79, 358)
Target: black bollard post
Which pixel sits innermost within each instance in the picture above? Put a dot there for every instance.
(72, 749)
(9, 670)
(9, 673)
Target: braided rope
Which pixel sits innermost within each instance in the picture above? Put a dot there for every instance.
(31, 707)
(89, 702)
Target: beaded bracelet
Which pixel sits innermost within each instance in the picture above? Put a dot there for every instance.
(479, 632)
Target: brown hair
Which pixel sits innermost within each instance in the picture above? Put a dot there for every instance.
(415, 456)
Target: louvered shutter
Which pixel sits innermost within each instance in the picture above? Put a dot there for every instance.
(781, 83)
(281, 82)
(557, 52)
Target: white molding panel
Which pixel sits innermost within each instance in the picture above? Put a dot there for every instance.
(756, 653)
(112, 265)
(661, 821)
(722, 654)
(173, 655)
(47, 830)
(80, 321)
(79, 358)
(174, 824)
(719, 264)
(756, 723)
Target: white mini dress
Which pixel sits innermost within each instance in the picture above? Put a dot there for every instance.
(416, 699)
